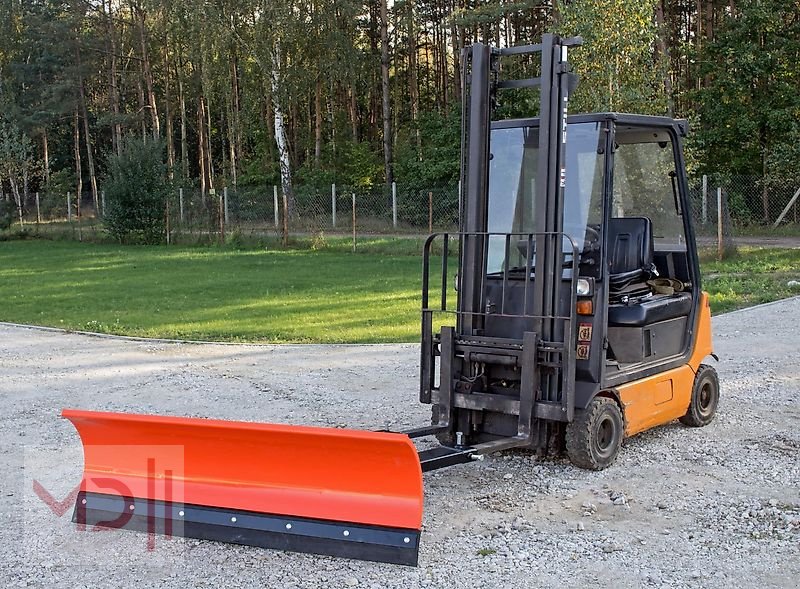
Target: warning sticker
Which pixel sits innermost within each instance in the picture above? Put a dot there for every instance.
(585, 332)
(582, 352)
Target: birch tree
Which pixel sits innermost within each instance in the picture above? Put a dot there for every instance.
(16, 161)
(617, 66)
(303, 93)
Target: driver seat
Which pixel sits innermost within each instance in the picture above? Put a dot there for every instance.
(630, 251)
(642, 326)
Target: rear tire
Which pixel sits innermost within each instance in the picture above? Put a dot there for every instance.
(595, 435)
(705, 398)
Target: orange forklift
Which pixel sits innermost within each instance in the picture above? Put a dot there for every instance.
(566, 313)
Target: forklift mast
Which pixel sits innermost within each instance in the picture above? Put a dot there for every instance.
(482, 67)
(524, 340)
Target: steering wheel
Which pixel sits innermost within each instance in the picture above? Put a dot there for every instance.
(592, 239)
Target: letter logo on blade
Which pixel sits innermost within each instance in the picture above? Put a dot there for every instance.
(59, 508)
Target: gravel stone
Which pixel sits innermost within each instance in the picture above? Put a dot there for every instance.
(612, 547)
(618, 498)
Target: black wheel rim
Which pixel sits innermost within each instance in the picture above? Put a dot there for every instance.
(606, 437)
(705, 399)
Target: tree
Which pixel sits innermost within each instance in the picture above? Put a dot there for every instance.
(137, 189)
(310, 92)
(16, 161)
(750, 105)
(617, 65)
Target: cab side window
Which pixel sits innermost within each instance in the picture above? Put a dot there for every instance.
(645, 184)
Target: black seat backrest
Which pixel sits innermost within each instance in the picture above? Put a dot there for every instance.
(630, 247)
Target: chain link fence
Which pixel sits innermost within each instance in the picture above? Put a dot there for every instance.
(752, 212)
(260, 212)
(745, 210)
(754, 206)
(401, 210)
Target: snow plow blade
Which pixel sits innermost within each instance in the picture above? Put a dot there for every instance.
(348, 493)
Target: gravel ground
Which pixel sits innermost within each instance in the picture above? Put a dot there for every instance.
(714, 507)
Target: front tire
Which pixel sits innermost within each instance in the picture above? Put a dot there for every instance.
(595, 435)
(705, 398)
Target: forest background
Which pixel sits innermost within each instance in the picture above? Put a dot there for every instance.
(306, 93)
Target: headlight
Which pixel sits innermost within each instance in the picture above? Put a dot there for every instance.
(585, 287)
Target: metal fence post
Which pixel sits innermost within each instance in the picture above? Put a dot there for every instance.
(333, 205)
(430, 212)
(275, 205)
(103, 202)
(180, 203)
(69, 208)
(220, 214)
(394, 205)
(354, 222)
(225, 200)
(285, 219)
(167, 221)
(705, 199)
(459, 205)
(38, 210)
(786, 210)
(719, 223)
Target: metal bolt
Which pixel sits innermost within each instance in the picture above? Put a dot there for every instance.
(346, 533)
(132, 507)
(83, 501)
(406, 539)
(233, 519)
(180, 513)
(288, 526)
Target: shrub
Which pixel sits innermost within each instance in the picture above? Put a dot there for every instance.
(7, 209)
(136, 192)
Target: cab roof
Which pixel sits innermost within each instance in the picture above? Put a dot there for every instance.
(681, 126)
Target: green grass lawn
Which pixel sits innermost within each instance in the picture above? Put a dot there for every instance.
(755, 275)
(214, 294)
(273, 296)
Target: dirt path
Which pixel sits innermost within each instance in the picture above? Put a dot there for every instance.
(715, 507)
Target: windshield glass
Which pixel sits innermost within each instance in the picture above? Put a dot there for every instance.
(512, 186)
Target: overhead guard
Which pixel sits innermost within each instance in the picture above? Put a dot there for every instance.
(342, 492)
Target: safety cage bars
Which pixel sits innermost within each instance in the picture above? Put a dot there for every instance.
(552, 356)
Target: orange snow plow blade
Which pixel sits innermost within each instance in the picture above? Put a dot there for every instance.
(341, 492)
